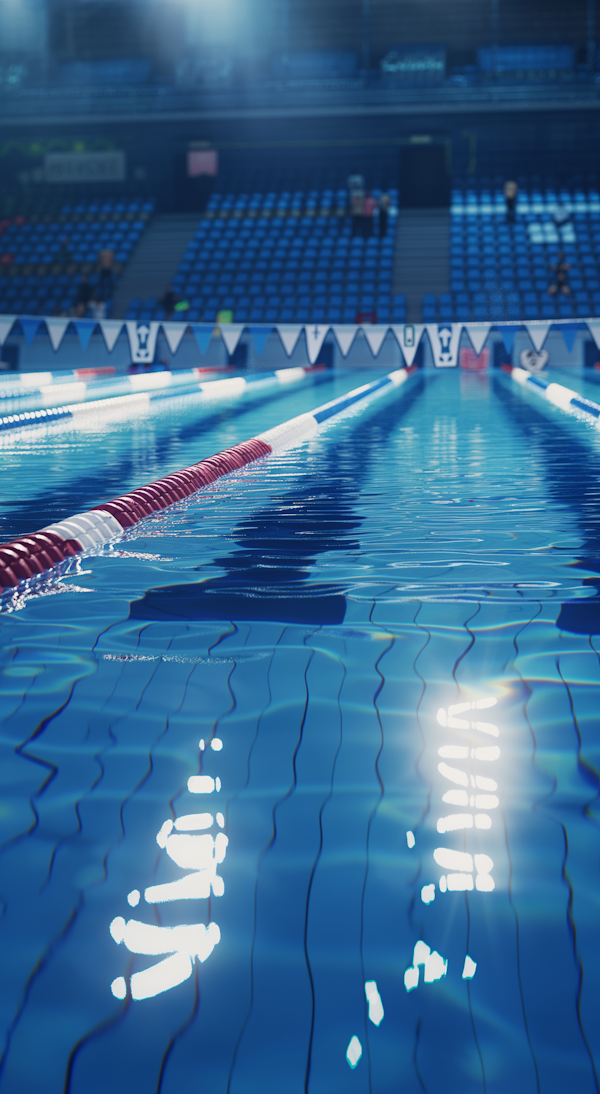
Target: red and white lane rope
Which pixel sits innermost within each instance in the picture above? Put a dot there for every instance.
(28, 556)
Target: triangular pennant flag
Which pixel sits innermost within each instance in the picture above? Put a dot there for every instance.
(30, 328)
(408, 336)
(203, 335)
(56, 330)
(85, 328)
(260, 336)
(569, 333)
(593, 325)
(111, 329)
(315, 336)
(375, 336)
(289, 336)
(444, 339)
(537, 332)
(6, 324)
(345, 337)
(231, 335)
(174, 332)
(142, 341)
(478, 333)
(508, 337)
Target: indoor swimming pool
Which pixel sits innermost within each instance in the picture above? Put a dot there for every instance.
(300, 775)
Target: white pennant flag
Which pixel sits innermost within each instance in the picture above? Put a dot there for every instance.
(6, 323)
(478, 333)
(375, 336)
(174, 332)
(538, 333)
(111, 329)
(444, 339)
(593, 325)
(345, 337)
(142, 341)
(56, 331)
(231, 335)
(315, 336)
(289, 336)
(408, 336)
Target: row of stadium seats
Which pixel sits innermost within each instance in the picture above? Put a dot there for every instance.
(503, 269)
(497, 304)
(39, 273)
(265, 258)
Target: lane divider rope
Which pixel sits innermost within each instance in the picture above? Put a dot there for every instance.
(232, 385)
(564, 397)
(37, 390)
(28, 556)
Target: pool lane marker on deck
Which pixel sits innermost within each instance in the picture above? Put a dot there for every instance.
(564, 397)
(233, 385)
(28, 556)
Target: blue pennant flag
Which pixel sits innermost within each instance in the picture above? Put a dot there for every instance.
(30, 328)
(203, 335)
(508, 337)
(569, 333)
(260, 336)
(85, 328)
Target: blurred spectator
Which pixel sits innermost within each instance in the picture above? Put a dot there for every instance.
(85, 295)
(168, 302)
(98, 309)
(357, 211)
(561, 269)
(384, 209)
(369, 207)
(106, 260)
(510, 197)
(64, 255)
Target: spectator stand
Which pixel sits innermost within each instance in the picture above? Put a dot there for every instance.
(284, 257)
(502, 271)
(34, 280)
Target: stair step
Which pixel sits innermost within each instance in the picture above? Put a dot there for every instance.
(155, 260)
(422, 256)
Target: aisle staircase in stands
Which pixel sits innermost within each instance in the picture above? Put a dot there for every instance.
(155, 260)
(422, 256)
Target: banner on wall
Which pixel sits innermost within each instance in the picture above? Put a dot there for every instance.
(142, 341)
(84, 167)
(444, 339)
(408, 336)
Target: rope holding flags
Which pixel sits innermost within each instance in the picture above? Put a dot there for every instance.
(444, 339)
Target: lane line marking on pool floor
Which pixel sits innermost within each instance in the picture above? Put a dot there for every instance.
(28, 556)
(222, 388)
(564, 397)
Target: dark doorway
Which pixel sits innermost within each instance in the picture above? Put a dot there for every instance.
(424, 178)
(189, 195)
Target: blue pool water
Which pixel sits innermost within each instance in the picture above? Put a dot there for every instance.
(315, 617)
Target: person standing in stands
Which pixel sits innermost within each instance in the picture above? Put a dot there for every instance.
(356, 209)
(168, 302)
(106, 260)
(384, 209)
(561, 269)
(510, 197)
(369, 207)
(64, 256)
(85, 294)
